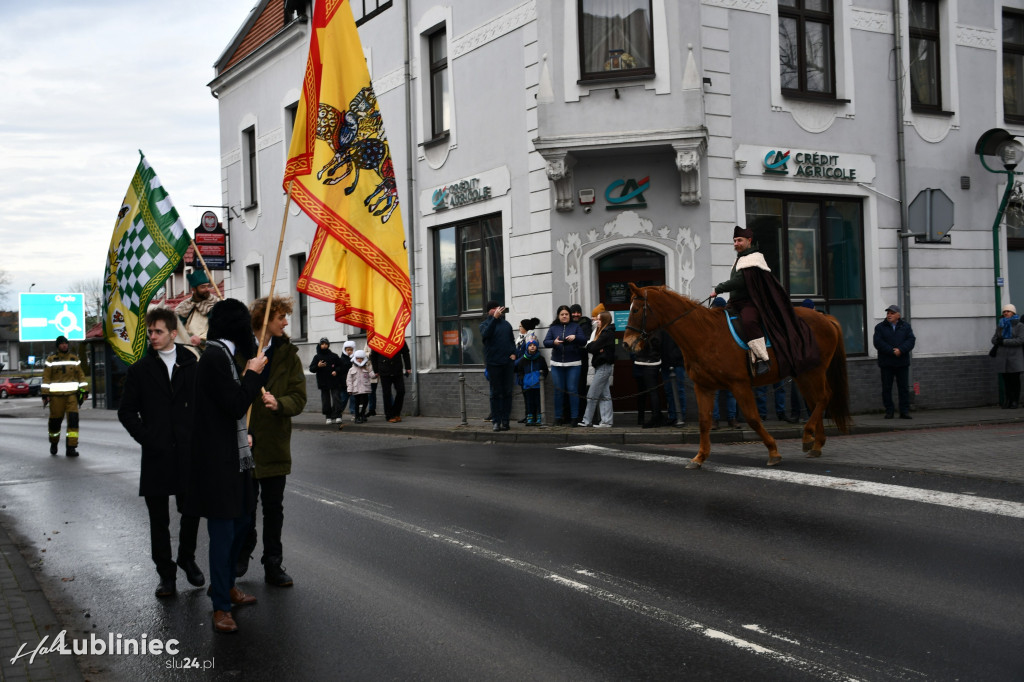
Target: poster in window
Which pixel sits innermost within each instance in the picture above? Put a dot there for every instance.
(616, 293)
(803, 263)
(474, 284)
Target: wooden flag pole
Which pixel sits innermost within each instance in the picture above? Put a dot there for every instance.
(209, 276)
(277, 262)
(273, 280)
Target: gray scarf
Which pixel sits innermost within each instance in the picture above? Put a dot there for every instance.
(245, 461)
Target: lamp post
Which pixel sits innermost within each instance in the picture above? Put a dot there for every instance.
(1010, 152)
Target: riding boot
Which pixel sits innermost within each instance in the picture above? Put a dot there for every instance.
(759, 353)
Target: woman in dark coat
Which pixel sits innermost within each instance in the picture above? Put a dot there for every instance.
(1009, 358)
(221, 460)
(566, 341)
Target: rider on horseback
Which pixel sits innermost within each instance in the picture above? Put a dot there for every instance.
(757, 296)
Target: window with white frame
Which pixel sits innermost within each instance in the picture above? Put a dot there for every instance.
(925, 53)
(616, 39)
(1013, 66)
(807, 48)
(440, 98)
(469, 270)
(300, 315)
(253, 281)
(250, 184)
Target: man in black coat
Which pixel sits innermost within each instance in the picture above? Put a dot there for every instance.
(392, 373)
(894, 339)
(157, 409)
(222, 462)
(326, 365)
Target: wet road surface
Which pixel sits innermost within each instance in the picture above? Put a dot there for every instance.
(436, 560)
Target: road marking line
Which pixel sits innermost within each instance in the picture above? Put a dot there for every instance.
(985, 505)
(353, 506)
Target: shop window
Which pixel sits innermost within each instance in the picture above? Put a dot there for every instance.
(616, 39)
(815, 246)
(925, 70)
(807, 48)
(468, 272)
(1013, 67)
(440, 96)
(364, 10)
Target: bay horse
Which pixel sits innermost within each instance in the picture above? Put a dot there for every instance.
(715, 361)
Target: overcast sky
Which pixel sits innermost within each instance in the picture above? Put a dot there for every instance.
(84, 85)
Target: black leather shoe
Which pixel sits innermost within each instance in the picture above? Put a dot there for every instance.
(192, 571)
(496, 427)
(888, 415)
(505, 426)
(53, 448)
(905, 416)
(783, 418)
(166, 588)
(72, 451)
(274, 573)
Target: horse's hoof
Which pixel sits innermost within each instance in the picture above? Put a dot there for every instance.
(814, 453)
(808, 445)
(772, 461)
(692, 465)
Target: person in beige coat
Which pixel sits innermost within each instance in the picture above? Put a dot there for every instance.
(360, 383)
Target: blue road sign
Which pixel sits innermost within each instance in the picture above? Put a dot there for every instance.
(44, 317)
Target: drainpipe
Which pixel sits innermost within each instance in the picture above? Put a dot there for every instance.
(903, 253)
(409, 218)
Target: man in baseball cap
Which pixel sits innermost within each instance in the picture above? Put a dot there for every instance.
(894, 339)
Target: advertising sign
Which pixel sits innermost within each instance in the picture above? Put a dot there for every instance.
(44, 317)
(212, 241)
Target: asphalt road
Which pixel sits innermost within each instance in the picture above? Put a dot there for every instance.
(421, 559)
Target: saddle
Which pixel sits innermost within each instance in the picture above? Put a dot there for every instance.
(729, 317)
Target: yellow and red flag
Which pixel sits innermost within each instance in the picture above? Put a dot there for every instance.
(340, 173)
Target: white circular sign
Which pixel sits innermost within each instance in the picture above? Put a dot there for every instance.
(209, 221)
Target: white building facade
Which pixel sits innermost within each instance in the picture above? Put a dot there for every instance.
(551, 151)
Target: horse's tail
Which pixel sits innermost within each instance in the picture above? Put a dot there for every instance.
(839, 402)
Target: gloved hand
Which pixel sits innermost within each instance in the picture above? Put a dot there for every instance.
(46, 400)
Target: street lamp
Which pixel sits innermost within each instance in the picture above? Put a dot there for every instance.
(30, 287)
(1010, 152)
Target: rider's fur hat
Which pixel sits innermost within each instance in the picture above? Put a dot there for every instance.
(744, 232)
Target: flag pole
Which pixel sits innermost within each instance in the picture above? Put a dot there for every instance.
(277, 262)
(195, 250)
(273, 280)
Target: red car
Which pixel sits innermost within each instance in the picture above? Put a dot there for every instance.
(13, 386)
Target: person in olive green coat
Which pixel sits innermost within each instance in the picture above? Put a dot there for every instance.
(270, 425)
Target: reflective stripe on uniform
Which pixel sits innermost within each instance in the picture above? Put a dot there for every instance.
(58, 363)
(69, 386)
(72, 434)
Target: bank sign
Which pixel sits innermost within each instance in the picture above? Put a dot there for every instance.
(802, 164)
(465, 191)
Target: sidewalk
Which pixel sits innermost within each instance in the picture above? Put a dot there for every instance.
(476, 429)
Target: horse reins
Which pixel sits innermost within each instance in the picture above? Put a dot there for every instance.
(644, 334)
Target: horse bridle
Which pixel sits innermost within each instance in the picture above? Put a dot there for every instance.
(644, 334)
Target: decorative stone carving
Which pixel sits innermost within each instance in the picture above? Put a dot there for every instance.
(814, 117)
(630, 226)
(559, 172)
(688, 162)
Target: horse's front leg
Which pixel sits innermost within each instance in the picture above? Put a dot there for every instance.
(814, 429)
(745, 398)
(705, 403)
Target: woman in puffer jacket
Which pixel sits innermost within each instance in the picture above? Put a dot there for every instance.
(566, 341)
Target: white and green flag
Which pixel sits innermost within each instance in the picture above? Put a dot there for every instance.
(148, 244)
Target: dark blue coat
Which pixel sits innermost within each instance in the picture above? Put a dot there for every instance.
(499, 341)
(570, 351)
(887, 339)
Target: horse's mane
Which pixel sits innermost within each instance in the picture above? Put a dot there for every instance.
(700, 321)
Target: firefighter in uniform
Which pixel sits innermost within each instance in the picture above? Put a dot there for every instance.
(63, 380)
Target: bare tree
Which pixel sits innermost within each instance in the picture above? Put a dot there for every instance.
(5, 286)
(92, 288)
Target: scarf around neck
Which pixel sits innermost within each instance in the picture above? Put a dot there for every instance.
(1007, 324)
(245, 461)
